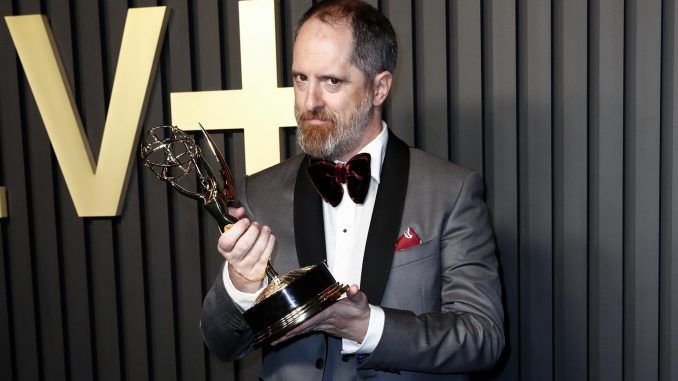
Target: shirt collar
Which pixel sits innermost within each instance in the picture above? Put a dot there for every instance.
(377, 150)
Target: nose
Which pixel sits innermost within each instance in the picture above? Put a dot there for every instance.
(314, 98)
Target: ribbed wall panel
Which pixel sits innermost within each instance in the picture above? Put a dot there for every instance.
(567, 108)
(668, 303)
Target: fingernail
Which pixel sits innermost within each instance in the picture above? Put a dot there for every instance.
(246, 221)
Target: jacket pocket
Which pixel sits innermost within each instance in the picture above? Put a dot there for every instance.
(413, 254)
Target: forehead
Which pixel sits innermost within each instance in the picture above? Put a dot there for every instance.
(322, 44)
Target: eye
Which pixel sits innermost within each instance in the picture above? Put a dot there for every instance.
(300, 78)
(334, 81)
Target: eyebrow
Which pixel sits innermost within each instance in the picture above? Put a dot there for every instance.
(342, 78)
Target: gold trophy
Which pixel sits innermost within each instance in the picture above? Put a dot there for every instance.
(289, 299)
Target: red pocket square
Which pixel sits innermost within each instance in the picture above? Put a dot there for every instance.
(408, 239)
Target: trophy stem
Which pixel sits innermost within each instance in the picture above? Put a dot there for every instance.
(270, 272)
(219, 211)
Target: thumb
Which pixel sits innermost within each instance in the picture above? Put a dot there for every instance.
(238, 213)
(354, 293)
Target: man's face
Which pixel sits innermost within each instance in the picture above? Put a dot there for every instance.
(333, 103)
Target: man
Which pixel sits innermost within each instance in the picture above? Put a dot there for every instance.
(420, 307)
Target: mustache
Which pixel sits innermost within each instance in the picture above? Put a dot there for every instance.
(317, 114)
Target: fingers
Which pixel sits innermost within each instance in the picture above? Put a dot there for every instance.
(255, 245)
(302, 329)
(247, 246)
(347, 318)
(260, 265)
(230, 237)
(330, 320)
(248, 243)
(288, 336)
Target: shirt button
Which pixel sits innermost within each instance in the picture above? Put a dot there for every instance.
(344, 358)
(345, 230)
(319, 363)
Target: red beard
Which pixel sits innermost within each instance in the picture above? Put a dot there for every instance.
(316, 135)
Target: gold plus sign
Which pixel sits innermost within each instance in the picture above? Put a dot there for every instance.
(3, 203)
(261, 108)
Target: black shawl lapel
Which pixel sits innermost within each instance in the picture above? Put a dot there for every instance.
(386, 219)
(309, 231)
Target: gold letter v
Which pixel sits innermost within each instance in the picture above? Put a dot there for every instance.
(97, 189)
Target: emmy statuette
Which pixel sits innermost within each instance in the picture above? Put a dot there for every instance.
(289, 299)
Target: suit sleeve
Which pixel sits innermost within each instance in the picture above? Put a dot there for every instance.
(223, 328)
(467, 334)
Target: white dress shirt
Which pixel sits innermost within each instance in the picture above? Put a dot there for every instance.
(346, 227)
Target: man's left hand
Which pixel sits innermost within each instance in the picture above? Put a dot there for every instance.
(348, 318)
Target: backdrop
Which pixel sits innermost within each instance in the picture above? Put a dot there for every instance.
(567, 107)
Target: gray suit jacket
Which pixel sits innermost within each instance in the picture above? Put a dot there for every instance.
(442, 298)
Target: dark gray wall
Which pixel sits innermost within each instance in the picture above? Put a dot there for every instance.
(568, 108)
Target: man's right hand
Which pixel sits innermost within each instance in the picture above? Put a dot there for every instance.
(246, 246)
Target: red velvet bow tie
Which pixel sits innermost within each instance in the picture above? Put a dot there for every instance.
(327, 178)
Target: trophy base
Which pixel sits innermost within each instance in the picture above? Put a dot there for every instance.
(310, 290)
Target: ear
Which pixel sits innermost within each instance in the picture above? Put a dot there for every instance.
(381, 85)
